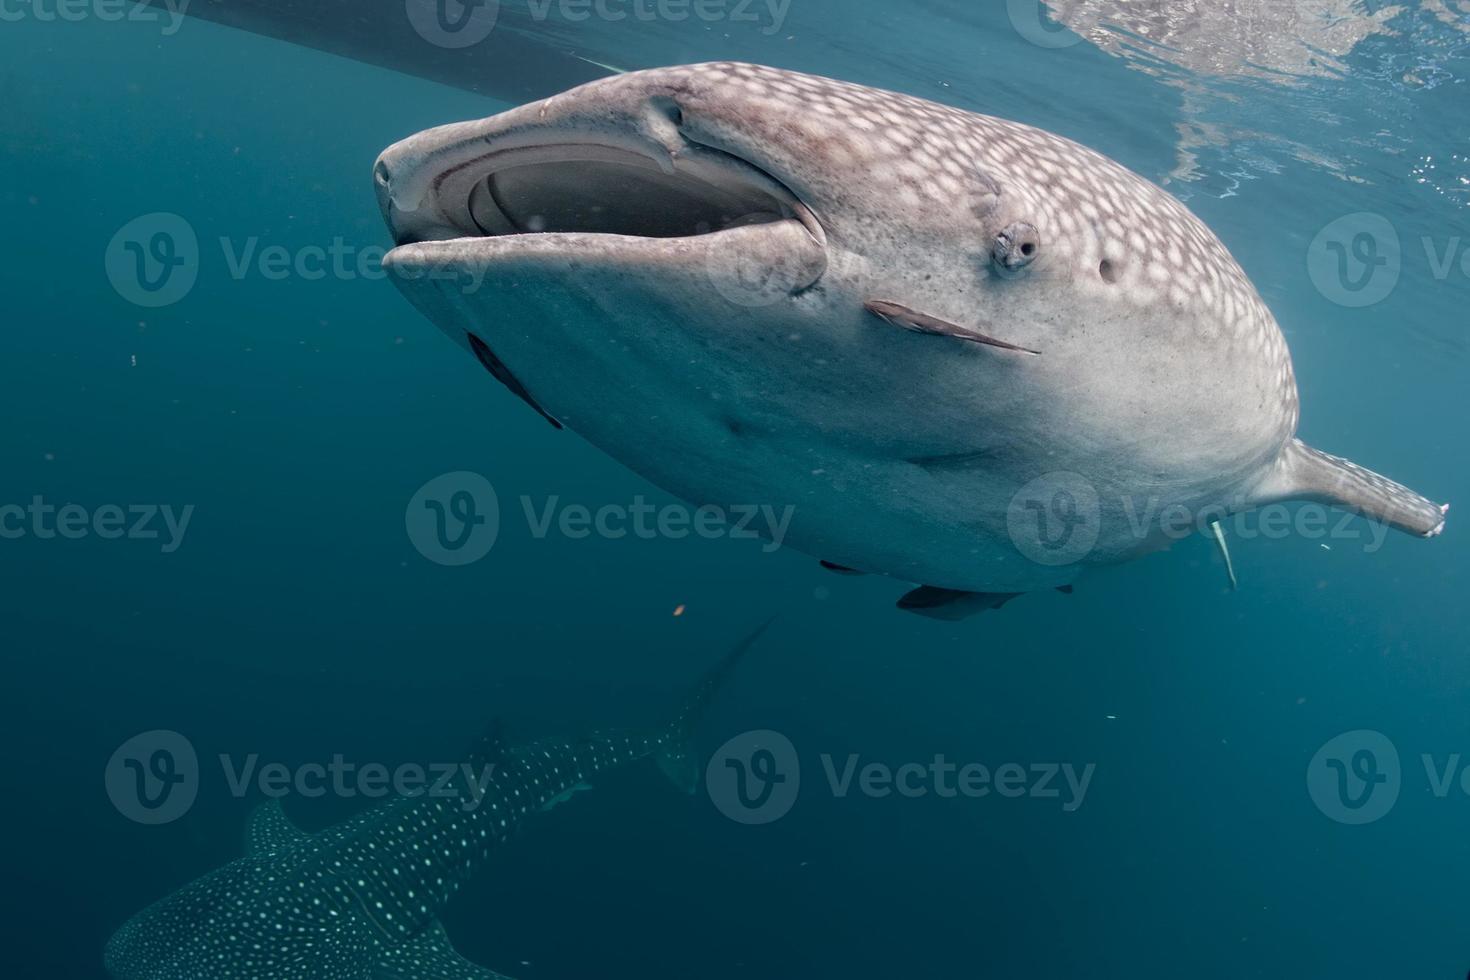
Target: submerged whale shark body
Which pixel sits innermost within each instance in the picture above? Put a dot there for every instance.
(361, 901)
(919, 326)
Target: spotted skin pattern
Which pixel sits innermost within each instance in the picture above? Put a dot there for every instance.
(361, 901)
(334, 905)
(921, 159)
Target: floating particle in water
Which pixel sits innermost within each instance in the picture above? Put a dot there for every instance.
(679, 610)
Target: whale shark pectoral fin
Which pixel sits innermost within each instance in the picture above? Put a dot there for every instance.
(566, 797)
(832, 566)
(1304, 473)
(952, 605)
(913, 320)
(429, 956)
(501, 373)
(269, 830)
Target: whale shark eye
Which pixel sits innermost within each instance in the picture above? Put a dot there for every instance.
(1016, 246)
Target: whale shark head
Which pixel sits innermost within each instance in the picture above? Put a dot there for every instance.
(696, 245)
(759, 287)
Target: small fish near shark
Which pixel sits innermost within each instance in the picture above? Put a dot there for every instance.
(913, 323)
(361, 901)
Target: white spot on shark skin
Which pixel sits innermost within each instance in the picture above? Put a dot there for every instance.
(1162, 373)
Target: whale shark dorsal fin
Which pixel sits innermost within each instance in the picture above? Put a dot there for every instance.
(269, 830)
(490, 750)
(676, 757)
(429, 956)
(1304, 473)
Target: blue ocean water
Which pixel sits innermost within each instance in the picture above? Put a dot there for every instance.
(293, 416)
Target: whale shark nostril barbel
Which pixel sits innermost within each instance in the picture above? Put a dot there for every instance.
(361, 901)
(904, 320)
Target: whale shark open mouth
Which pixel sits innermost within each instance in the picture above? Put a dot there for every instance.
(592, 188)
(487, 221)
(602, 190)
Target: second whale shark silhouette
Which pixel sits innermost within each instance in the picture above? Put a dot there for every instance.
(361, 901)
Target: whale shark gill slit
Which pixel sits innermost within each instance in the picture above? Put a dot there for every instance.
(501, 373)
(916, 322)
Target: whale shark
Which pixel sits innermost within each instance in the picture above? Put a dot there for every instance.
(361, 901)
(969, 353)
